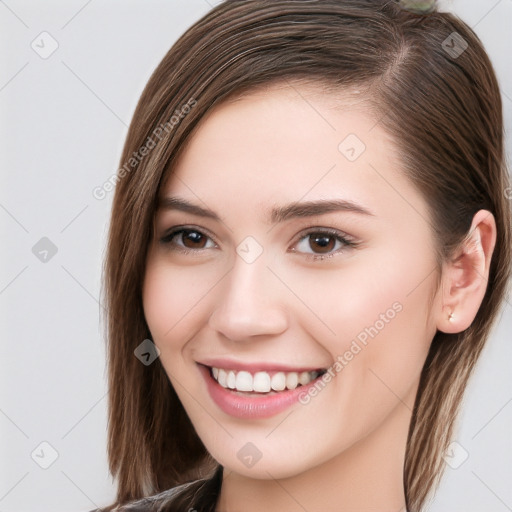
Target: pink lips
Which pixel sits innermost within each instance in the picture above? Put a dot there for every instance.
(252, 406)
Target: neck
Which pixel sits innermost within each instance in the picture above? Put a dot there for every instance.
(368, 477)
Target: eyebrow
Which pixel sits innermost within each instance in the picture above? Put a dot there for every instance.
(277, 214)
(312, 208)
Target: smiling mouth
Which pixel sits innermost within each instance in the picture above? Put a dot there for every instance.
(262, 381)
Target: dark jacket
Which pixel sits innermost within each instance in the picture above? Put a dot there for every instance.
(197, 496)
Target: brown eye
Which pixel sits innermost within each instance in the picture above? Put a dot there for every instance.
(187, 239)
(193, 239)
(322, 243)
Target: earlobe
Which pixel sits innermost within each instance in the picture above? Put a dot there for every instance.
(464, 280)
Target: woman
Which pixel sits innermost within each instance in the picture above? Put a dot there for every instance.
(309, 244)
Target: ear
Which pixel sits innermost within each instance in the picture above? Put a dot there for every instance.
(465, 276)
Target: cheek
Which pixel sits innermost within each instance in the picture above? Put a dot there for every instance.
(380, 343)
(373, 316)
(174, 300)
(341, 304)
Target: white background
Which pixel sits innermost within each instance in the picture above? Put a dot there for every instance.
(63, 121)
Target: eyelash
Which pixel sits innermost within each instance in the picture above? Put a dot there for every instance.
(339, 235)
(346, 241)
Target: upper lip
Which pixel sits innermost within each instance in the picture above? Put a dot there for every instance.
(230, 364)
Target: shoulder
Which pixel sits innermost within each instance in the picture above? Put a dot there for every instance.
(152, 503)
(202, 494)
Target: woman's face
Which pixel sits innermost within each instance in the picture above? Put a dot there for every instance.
(289, 243)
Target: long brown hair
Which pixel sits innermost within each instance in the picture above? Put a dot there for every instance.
(439, 100)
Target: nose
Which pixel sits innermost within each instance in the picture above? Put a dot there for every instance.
(248, 303)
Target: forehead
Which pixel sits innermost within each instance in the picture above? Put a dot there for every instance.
(285, 143)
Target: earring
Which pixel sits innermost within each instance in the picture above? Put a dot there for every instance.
(451, 317)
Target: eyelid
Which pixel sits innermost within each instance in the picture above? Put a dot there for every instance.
(348, 241)
(174, 230)
(322, 229)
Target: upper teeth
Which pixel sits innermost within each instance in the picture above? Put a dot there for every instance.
(262, 382)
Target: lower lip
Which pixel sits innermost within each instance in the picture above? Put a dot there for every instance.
(252, 407)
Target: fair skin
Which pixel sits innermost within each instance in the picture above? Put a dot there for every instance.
(344, 449)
